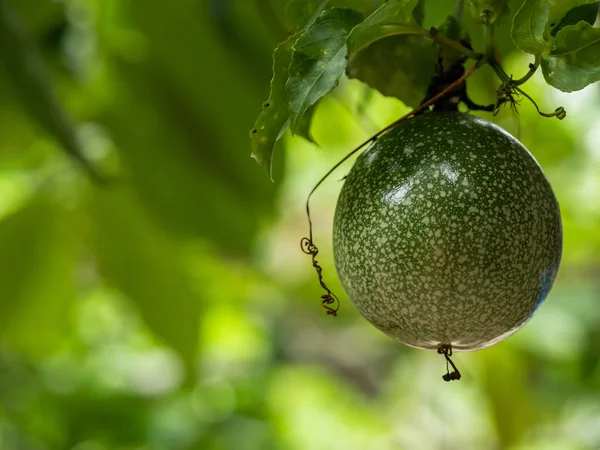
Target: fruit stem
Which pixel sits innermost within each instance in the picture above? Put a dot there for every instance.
(446, 350)
(443, 40)
(490, 53)
(398, 29)
(488, 37)
(532, 69)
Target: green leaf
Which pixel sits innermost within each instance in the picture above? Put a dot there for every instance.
(33, 86)
(145, 263)
(275, 117)
(570, 12)
(398, 66)
(300, 14)
(304, 124)
(36, 278)
(492, 12)
(529, 24)
(175, 133)
(385, 53)
(574, 59)
(393, 18)
(419, 13)
(318, 60)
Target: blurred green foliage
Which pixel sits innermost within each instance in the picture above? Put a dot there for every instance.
(171, 307)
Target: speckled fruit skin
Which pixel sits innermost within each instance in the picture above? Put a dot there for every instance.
(447, 232)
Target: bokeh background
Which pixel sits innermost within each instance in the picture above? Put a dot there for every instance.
(172, 308)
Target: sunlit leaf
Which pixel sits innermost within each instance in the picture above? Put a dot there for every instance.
(275, 117)
(574, 59)
(36, 278)
(503, 372)
(145, 263)
(529, 24)
(319, 60)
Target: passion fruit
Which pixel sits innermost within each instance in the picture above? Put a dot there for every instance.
(447, 233)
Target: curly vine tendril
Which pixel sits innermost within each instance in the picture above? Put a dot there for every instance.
(329, 298)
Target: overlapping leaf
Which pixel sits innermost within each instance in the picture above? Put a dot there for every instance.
(275, 117)
(303, 128)
(398, 66)
(301, 13)
(387, 55)
(529, 24)
(570, 12)
(574, 59)
(319, 60)
(393, 18)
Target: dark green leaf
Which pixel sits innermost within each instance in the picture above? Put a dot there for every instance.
(32, 84)
(145, 263)
(304, 125)
(275, 117)
(493, 12)
(300, 13)
(571, 12)
(574, 59)
(385, 54)
(398, 66)
(362, 6)
(419, 13)
(529, 24)
(319, 60)
(393, 18)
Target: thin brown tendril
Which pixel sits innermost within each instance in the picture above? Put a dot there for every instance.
(307, 244)
(329, 298)
(446, 350)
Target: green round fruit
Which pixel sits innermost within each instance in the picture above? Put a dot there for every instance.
(447, 232)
